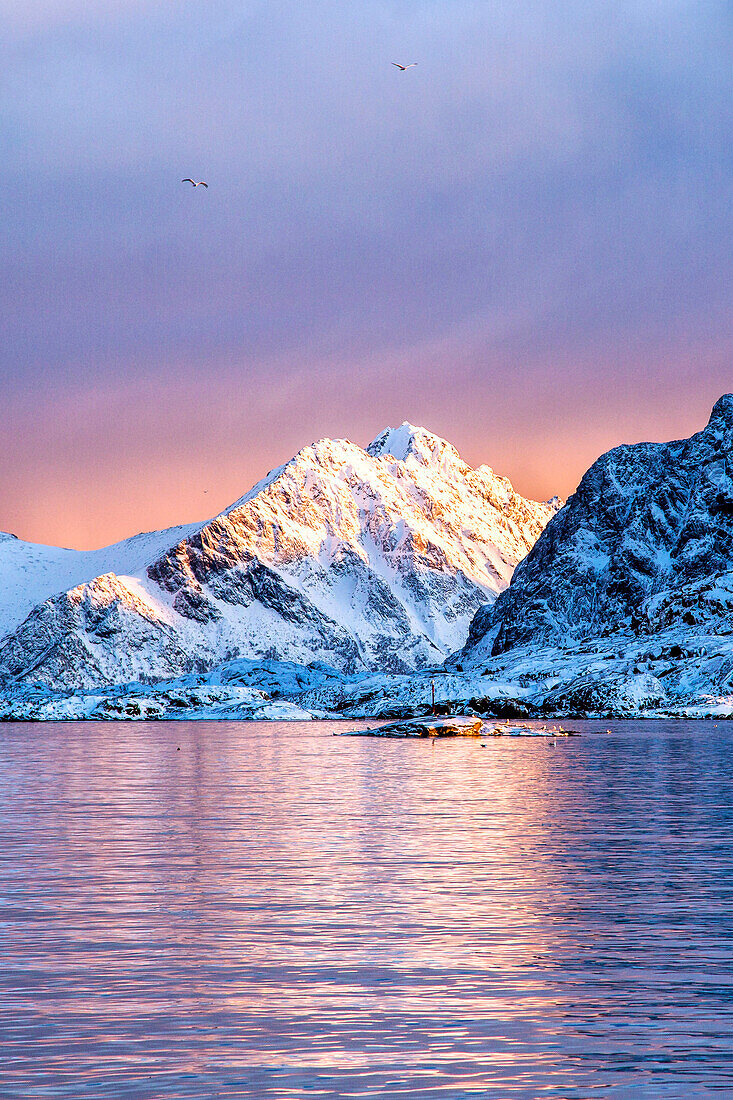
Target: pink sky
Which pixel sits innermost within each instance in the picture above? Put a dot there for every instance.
(523, 244)
(120, 460)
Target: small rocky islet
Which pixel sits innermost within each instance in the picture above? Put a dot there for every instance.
(456, 725)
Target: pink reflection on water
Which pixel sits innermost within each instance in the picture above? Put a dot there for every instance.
(272, 911)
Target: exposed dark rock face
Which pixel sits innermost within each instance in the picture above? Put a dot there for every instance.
(191, 603)
(644, 542)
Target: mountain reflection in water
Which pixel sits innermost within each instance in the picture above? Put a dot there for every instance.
(265, 910)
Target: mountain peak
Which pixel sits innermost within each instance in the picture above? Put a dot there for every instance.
(409, 441)
(722, 414)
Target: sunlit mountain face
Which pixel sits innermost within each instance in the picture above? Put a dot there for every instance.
(363, 559)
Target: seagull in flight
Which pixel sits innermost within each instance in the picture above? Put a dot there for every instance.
(404, 68)
(199, 184)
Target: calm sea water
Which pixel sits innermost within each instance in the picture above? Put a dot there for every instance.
(266, 910)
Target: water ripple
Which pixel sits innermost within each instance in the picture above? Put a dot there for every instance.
(264, 910)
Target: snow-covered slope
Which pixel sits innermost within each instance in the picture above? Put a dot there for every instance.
(30, 572)
(373, 558)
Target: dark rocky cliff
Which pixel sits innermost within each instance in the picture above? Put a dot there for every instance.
(636, 548)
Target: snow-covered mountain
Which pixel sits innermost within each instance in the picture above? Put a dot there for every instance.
(375, 558)
(646, 542)
(368, 560)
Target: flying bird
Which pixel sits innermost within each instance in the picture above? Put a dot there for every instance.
(199, 184)
(404, 68)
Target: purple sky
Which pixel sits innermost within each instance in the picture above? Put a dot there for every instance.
(524, 243)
